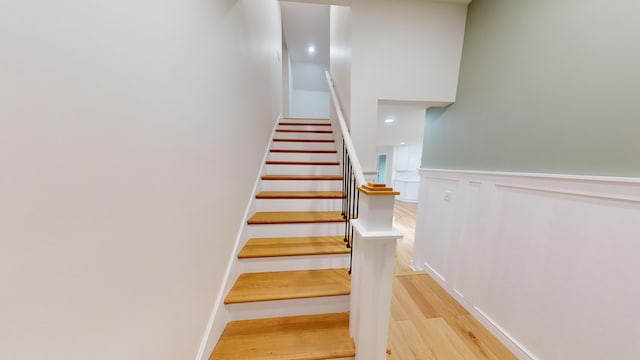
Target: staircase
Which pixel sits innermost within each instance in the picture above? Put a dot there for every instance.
(291, 299)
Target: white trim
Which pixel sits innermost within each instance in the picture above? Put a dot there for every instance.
(375, 235)
(434, 272)
(499, 328)
(461, 295)
(572, 193)
(218, 306)
(581, 178)
(414, 267)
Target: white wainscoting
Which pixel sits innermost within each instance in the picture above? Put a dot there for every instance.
(549, 263)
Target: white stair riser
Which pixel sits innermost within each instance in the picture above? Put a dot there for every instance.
(302, 145)
(293, 263)
(301, 185)
(298, 204)
(294, 307)
(304, 121)
(303, 135)
(303, 170)
(295, 230)
(279, 156)
(303, 127)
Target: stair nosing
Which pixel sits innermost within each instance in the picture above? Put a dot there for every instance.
(335, 217)
(334, 289)
(305, 119)
(300, 195)
(305, 140)
(289, 249)
(303, 124)
(309, 163)
(303, 151)
(304, 131)
(302, 178)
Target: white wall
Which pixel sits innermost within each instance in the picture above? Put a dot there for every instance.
(340, 56)
(286, 80)
(289, 84)
(310, 94)
(309, 76)
(310, 104)
(407, 127)
(547, 262)
(406, 50)
(120, 202)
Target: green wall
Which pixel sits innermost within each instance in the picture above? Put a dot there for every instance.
(549, 86)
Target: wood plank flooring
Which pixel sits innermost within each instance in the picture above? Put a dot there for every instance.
(426, 322)
(311, 337)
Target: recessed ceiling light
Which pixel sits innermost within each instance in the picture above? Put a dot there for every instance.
(389, 120)
(311, 49)
(402, 143)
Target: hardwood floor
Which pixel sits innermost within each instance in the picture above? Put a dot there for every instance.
(404, 220)
(426, 322)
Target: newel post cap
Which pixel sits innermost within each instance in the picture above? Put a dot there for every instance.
(373, 189)
(376, 207)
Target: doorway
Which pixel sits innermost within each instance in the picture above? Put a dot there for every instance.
(382, 169)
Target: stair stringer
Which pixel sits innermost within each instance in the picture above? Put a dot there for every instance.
(220, 314)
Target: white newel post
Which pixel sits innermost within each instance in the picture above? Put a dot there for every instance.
(374, 250)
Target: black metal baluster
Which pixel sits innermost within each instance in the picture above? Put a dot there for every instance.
(344, 180)
(349, 199)
(352, 211)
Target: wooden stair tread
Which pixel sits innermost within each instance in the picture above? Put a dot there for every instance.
(302, 177)
(305, 119)
(324, 336)
(302, 151)
(305, 140)
(305, 131)
(283, 285)
(316, 163)
(295, 217)
(300, 195)
(294, 246)
(303, 124)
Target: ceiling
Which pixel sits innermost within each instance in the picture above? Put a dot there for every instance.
(303, 25)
